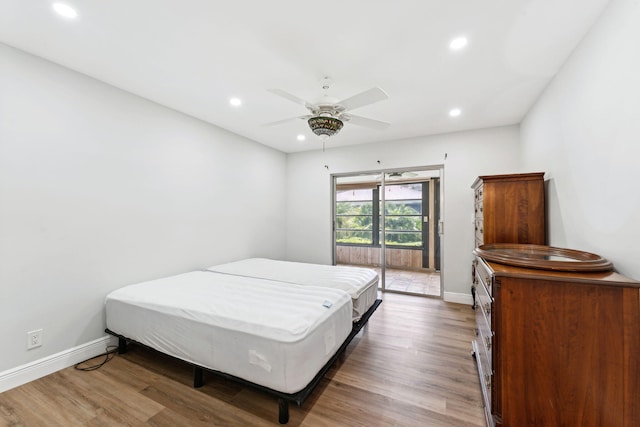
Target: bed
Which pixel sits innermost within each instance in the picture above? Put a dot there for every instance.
(276, 336)
(360, 283)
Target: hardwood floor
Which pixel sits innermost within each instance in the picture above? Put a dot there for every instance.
(410, 366)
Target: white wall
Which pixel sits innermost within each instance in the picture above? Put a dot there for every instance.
(100, 188)
(469, 154)
(585, 133)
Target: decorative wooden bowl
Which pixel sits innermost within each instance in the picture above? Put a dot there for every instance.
(542, 257)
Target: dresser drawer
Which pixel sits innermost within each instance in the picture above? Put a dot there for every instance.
(484, 306)
(483, 276)
(484, 338)
(483, 356)
(486, 375)
(479, 209)
(479, 226)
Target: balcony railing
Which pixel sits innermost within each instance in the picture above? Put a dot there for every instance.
(401, 258)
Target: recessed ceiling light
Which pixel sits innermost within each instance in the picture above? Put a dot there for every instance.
(455, 112)
(65, 10)
(301, 137)
(236, 102)
(458, 43)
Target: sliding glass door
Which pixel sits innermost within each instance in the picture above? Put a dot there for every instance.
(388, 221)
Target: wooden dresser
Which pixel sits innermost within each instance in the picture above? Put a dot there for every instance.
(556, 347)
(510, 208)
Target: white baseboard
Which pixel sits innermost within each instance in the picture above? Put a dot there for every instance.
(458, 298)
(32, 371)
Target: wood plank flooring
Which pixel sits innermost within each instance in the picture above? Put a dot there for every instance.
(410, 366)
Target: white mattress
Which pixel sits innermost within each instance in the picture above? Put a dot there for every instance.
(274, 334)
(360, 283)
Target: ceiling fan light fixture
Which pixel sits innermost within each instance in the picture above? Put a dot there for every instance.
(325, 126)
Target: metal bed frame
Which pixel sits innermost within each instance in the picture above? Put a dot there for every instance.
(283, 398)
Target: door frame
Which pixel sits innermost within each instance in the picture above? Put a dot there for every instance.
(438, 229)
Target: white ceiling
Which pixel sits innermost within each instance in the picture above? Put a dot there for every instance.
(193, 55)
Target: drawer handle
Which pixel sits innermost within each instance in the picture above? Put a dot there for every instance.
(477, 331)
(487, 308)
(487, 342)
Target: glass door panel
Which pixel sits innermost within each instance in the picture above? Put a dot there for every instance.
(384, 221)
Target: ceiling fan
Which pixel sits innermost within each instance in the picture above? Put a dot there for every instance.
(327, 116)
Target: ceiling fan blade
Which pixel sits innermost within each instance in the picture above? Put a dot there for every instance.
(367, 97)
(290, 119)
(369, 123)
(291, 97)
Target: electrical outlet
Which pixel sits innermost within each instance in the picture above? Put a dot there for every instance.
(34, 339)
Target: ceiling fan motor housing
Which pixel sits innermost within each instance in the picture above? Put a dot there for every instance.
(325, 126)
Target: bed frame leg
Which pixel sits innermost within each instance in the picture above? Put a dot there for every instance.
(122, 345)
(283, 411)
(198, 378)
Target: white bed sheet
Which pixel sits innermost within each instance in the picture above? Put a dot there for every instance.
(274, 334)
(360, 283)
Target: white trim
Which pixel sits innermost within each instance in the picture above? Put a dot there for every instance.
(458, 298)
(37, 369)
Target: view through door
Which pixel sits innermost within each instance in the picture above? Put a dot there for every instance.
(389, 222)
